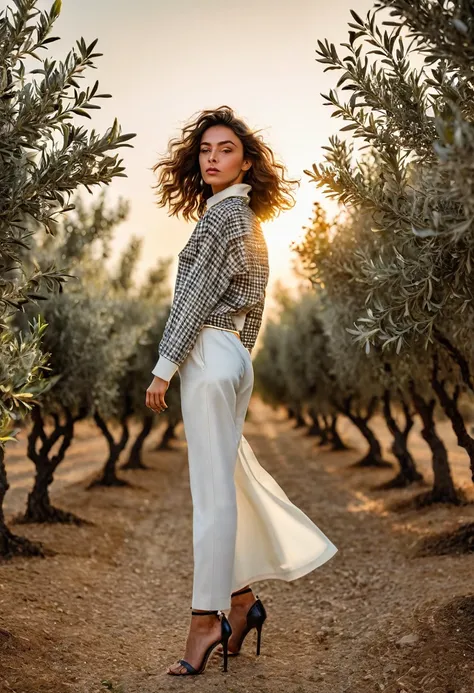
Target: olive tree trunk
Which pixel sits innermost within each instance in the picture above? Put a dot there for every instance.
(451, 409)
(135, 457)
(443, 490)
(39, 507)
(373, 458)
(10, 544)
(408, 473)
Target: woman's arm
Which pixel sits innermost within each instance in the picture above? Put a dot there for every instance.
(204, 285)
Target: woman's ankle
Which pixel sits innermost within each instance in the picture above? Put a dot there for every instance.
(243, 590)
(242, 599)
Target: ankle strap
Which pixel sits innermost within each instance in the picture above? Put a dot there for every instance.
(243, 591)
(204, 613)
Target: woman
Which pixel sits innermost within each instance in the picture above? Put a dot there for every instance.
(244, 526)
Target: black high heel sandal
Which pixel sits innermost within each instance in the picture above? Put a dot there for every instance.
(256, 616)
(226, 632)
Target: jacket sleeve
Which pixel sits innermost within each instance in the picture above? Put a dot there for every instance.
(204, 285)
(253, 321)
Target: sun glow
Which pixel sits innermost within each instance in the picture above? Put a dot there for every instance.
(289, 228)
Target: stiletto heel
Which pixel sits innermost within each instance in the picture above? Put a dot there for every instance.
(226, 632)
(225, 642)
(256, 617)
(259, 637)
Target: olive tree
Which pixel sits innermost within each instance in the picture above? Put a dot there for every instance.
(334, 257)
(115, 406)
(96, 327)
(307, 367)
(269, 378)
(45, 157)
(417, 286)
(144, 358)
(87, 362)
(423, 196)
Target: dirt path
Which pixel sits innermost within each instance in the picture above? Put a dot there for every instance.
(110, 611)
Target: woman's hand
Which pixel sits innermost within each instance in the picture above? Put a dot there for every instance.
(155, 394)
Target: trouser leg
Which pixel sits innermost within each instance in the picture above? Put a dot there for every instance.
(213, 403)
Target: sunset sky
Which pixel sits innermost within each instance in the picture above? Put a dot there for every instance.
(163, 62)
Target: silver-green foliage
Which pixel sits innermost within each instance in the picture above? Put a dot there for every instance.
(416, 119)
(85, 339)
(45, 156)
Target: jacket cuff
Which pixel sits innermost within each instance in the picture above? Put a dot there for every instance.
(165, 368)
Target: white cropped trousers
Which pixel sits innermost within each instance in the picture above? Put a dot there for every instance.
(245, 528)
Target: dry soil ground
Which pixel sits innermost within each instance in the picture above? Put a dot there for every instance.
(110, 610)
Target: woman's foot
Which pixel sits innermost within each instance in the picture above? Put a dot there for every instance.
(240, 605)
(204, 630)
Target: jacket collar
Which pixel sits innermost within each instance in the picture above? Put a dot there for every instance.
(238, 189)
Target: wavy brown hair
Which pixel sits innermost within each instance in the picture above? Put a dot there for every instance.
(181, 186)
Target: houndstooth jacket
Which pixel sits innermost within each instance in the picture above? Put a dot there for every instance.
(222, 274)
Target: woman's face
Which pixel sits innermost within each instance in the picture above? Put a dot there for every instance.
(221, 149)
